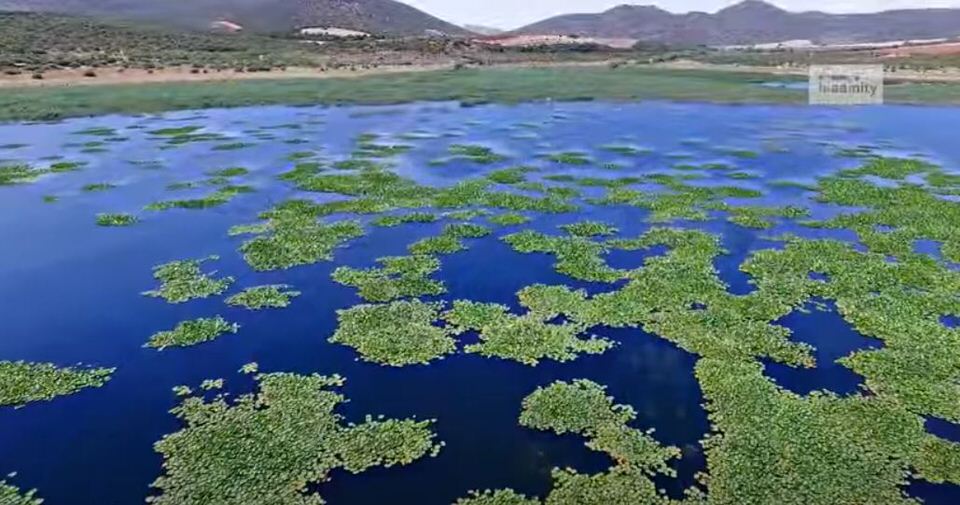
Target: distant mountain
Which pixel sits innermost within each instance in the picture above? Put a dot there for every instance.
(752, 22)
(373, 16)
(484, 30)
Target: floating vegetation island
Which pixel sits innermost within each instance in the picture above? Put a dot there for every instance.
(632, 271)
(263, 297)
(194, 332)
(22, 383)
(185, 280)
(289, 426)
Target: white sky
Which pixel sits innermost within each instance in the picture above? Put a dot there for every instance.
(516, 13)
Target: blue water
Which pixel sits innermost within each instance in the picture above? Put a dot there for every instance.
(832, 339)
(69, 290)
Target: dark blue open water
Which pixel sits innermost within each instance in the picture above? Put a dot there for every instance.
(69, 290)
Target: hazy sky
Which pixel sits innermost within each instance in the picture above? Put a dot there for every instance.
(516, 13)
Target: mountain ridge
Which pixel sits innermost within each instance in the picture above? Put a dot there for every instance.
(376, 16)
(751, 22)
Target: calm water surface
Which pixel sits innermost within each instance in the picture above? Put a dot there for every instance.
(70, 291)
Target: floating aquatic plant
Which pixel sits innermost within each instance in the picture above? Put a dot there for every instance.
(513, 175)
(399, 277)
(101, 186)
(176, 132)
(682, 201)
(232, 146)
(396, 334)
(275, 296)
(116, 219)
(912, 211)
(22, 382)
(229, 172)
(293, 237)
(450, 240)
(11, 495)
(625, 150)
(215, 199)
(18, 174)
(413, 217)
(583, 408)
(526, 339)
(578, 257)
(278, 442)
(476, 153)
(570, 158)
(589, 229)
(509, 219)
(181, 281)
(193, 332)
(66, 166)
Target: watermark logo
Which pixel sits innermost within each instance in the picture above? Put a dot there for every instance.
(846, 84)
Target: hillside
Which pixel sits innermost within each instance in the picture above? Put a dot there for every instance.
(752, 22)
(374, 16)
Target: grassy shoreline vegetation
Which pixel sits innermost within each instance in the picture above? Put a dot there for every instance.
(470, 86)
(507, 85)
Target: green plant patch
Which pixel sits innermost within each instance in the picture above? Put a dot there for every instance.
(22, 382)
(100, 186)
(359, 164)
(757, 217)
(476, 153)
(526, 339)
(11, 495)
(450, 240)
(279, 442)
(19, 174)
(896, 215)
(232, 146)
(275, 296)
(397, 334)
(292, 236)
(681, 201)
(176, 132)
(368, 148)
(589, 229)
(300, 155)
(181, 281)
(413, 217)
(229, 172)
(570, 158)
(625, 150)
(116, 219)
(66, 166)
(194, 332)
(398, 277)
(509, 219)
(219, 197)
(582, 407)
(740, 153)
(578, 257)
(514, 175)
(97, 131)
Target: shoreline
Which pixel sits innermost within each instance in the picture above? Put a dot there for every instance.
(504, 83)
(109, 76)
